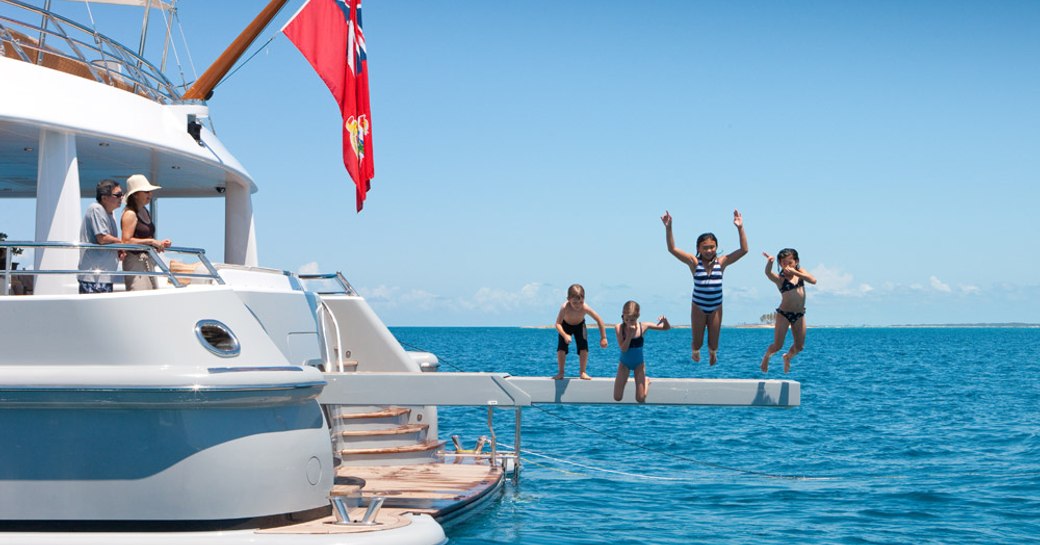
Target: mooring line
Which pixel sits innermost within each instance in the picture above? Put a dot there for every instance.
(642, 447)
(679, 456)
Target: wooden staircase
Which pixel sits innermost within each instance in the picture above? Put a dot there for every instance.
(380, 436)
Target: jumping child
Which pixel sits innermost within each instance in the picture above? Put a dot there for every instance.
(630, 338)
(707, 269)
(570, 323)
(791, 311)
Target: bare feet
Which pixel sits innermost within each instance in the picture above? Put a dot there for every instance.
(646, 392)
(558, 377)
(585, 376)
(713, 357)
(696, 355)
(765, 363)
(787, 362)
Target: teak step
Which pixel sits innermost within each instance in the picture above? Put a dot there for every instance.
(400, 430)
(419, 447)
(349, 366)
(385, 413)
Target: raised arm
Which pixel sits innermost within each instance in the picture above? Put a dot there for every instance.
(685, 257)
(733, 256)
(661, 325)
(769, 269)
(599, 322)
(804, 274)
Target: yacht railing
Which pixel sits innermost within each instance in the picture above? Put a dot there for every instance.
(178, 274)
(335, 284)
(63, 44)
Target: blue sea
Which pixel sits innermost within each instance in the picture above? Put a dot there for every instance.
(904, 435)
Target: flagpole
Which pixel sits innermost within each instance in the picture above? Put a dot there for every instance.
(203, 87)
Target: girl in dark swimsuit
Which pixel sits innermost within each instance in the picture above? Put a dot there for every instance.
(789, 315)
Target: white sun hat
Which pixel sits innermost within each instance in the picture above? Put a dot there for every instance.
(138, 182)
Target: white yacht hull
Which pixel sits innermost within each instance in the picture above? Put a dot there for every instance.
(418, 530)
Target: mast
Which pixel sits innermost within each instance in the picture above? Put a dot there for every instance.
(203, 87)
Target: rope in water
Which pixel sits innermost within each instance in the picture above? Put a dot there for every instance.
(590, 467)
(637, 445)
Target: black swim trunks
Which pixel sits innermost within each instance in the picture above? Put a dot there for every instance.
(578, 333)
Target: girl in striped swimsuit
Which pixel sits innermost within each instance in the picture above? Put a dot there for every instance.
(707, 269)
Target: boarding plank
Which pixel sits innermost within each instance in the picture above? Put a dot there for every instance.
(498, 389)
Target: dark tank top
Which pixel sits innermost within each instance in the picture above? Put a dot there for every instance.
(144, 229)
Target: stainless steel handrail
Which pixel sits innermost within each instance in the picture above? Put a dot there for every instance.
(139, 74)
(174, 278)
(346, 288)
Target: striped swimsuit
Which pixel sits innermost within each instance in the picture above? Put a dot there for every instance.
(707, 287)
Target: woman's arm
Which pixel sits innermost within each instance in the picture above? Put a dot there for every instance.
(129, 225)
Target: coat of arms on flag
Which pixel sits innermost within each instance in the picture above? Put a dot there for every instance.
(328, 33)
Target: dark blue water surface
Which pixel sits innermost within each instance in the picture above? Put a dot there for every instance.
(915, 435)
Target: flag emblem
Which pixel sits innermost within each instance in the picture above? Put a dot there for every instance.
(328, 33)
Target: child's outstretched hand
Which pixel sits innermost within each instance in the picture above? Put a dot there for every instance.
(666, 219)
(768, 257)
(738, 220)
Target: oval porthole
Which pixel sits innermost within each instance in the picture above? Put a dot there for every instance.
(217, 338)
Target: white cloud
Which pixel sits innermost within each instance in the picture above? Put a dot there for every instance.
(835, 281)
(309, 268)
(938, 285)
(969, 289)
(495, 300)
(394, 297)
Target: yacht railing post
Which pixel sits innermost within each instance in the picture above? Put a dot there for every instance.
(491, 429)
(8, 256)
(43, 32)
(516, 446)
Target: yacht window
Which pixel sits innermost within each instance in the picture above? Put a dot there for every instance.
(217, 338)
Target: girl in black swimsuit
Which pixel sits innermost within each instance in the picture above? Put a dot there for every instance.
(791, 283)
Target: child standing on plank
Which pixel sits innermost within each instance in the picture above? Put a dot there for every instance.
(570, 324)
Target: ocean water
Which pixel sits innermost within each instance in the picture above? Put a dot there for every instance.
(908, 435)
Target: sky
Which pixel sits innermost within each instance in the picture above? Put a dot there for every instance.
(521, 147)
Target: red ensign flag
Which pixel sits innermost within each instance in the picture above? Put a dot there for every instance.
(328, 33)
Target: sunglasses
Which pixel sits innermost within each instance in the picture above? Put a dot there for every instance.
(117, 195)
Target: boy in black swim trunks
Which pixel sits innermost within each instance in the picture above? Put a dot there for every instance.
(570, 324)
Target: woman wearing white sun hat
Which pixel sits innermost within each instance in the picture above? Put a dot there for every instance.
(137, 228)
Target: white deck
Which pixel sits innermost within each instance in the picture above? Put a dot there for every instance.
(499, 389)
